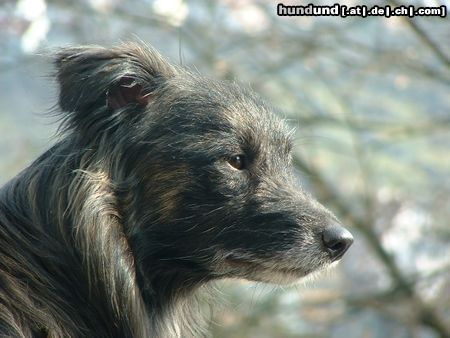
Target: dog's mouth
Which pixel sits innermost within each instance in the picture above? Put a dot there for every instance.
(266, 272)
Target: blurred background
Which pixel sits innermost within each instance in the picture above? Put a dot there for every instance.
(370, 100)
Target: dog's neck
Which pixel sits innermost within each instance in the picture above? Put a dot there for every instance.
(92, 222)
(170, 291)
(174, 311)
(155, 296)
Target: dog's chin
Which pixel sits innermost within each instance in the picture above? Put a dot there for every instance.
(283, 276)
(277, 277)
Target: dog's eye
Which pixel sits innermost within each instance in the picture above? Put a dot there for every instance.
(238, 162)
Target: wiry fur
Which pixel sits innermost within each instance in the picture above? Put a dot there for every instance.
(112, 231)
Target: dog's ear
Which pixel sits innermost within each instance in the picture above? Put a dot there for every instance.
(92, 77)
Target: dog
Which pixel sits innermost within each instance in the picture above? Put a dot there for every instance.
(161, 182)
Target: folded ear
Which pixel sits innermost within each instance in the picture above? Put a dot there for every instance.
(92, 77)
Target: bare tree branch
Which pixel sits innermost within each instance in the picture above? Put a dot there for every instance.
(424, 37)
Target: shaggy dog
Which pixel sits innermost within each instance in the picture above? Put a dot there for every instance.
(162, 182)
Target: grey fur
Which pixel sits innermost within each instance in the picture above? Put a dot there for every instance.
(115, 229)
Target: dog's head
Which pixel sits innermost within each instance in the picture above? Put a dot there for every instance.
(202, 169)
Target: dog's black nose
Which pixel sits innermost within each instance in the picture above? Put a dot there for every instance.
(337, 240)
